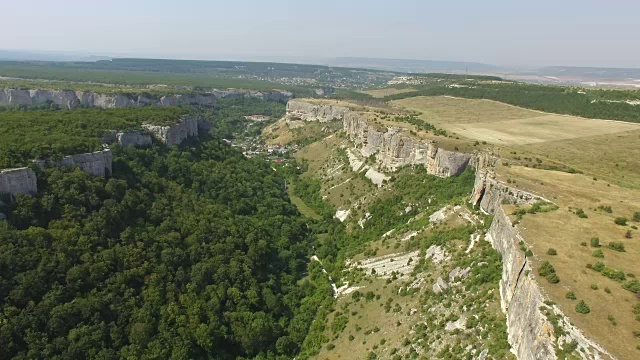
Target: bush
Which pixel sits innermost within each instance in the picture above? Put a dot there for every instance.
(599, 266)
(632, 285)
(598, 254)
(617, 246)
(636, 216)
(581, 214)
(594, 286)
(553, 278)
(546, 269)
(628, 235)
(595, 242)
(582, 308)
(606, 209)
(571, 295)
(621, 221)
(552, 252)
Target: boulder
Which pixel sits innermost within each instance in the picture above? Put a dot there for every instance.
(439, 286)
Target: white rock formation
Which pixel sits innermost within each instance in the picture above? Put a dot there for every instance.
(72, 99)
(97, 163)
(18, 181)
(133, 139)
(439, 286)
(174, 134)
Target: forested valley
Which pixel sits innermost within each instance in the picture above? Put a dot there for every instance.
(185, 252)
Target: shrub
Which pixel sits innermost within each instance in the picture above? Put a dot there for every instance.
(621, 221)
(546, 269)
(582, 308)
(584, 243)
(617, 246)
(606, 209)
(553, 278)
(581, 214)
(351, 337)
(636, 216)
(552, 251)
(598, 254)
(595, 242)
(571, 295)
(628, 235)
(331, 347)
(599, 266)
(594, 286)
(632, 285)
(607, 290)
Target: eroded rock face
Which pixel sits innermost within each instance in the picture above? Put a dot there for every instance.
(72, 99)
(174, 134)
(18, 181)
(311, 112)
(97, 163)
(393, 147)
(530, 333)
(133, 139)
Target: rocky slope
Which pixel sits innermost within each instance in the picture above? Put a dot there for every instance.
(72, 99)
(531, 320)
(393, 147)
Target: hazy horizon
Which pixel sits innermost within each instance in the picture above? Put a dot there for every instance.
(497, 32)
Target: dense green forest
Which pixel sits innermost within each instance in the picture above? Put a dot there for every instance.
(28, 135)
(590, 103)
(188, 252)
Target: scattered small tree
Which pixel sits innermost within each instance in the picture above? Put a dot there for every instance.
(622, 221)
(582, 308)
(617, 246)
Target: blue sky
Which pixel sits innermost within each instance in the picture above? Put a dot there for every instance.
(542, 32)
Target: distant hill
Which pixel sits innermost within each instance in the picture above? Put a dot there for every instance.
(413, 66)
(34, 55)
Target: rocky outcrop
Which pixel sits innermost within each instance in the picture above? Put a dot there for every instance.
(393, 147)
(489, 193)
(302, 110)
(71, 99)
(137, 139)
(97, 163)
(18, 181)
(174, 134)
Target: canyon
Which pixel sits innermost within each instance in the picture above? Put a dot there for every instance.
(536, 327)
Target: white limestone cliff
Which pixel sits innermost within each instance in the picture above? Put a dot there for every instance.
(530, 332)
(393, 147)
(72, 99)
(174, 134)
(98, 163)
(18, 181)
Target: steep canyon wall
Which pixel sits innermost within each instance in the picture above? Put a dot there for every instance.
(72, 99)
(393, 147)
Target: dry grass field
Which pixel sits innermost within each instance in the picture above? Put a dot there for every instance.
(611, 321)
(380, 93)
(607, 150)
